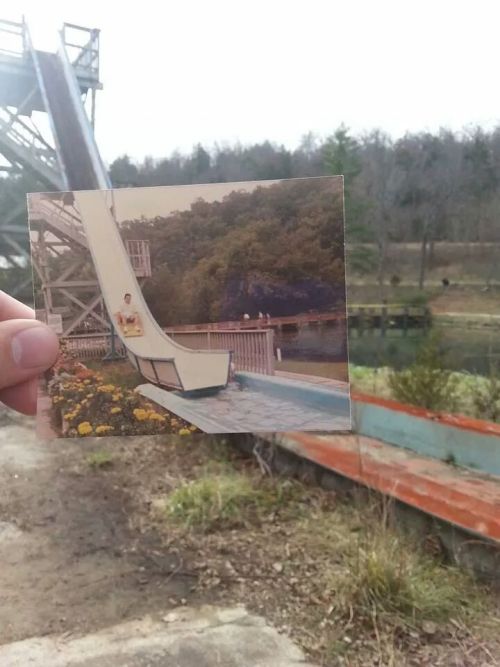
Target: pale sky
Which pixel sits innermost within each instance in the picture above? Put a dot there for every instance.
(179, 72)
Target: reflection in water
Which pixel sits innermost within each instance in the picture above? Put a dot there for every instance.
(312, 343)
(467, 350)
(471, 350)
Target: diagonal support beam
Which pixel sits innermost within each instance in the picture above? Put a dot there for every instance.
(87, 309)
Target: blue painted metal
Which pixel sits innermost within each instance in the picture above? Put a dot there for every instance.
(302, 393)
(424, 436)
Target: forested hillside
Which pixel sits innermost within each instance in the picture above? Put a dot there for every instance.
(278, 249)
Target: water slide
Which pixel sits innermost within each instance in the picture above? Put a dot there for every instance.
(77, 153)
(160, 359)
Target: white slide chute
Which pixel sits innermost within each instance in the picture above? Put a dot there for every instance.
(156, 356)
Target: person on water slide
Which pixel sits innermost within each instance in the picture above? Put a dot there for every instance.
(127, 316)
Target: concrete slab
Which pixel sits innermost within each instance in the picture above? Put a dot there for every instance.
(186, 637)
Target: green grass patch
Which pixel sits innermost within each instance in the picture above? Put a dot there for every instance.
(221, 498)
(119, 373)
(99, 460)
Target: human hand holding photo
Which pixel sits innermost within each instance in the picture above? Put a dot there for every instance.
(27, 348)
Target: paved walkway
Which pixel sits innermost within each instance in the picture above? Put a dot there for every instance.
(237, 410)
(205, 637)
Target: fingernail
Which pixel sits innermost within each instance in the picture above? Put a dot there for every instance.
(33, 347)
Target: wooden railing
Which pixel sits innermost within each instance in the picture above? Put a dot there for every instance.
(264, 322)
(252, 350)
(92, 346)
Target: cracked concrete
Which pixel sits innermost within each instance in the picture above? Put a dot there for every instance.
(204, 637)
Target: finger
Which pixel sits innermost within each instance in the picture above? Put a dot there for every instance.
(22, 397)
(27, 348)
(11, 309)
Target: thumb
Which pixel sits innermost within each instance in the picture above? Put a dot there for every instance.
(27, 348)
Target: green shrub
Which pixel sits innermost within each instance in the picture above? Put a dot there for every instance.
(426, 383)
(486, 398)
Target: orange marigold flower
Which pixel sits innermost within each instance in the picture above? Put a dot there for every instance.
(84, 428)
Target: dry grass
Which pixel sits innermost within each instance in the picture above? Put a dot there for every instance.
(335, 576)
(329, 573)
(222, 498)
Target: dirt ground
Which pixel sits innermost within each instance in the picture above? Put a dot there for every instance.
(70, 560)
(82, 548)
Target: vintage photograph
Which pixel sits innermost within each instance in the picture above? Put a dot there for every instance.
(215, 308)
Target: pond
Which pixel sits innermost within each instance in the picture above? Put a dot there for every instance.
(471, 350)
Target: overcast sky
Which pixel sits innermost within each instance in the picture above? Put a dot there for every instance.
(179, 72)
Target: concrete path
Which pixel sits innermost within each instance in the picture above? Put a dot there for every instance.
(239, 409)
(206, 637)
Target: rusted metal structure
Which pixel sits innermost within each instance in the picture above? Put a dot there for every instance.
(61, 87)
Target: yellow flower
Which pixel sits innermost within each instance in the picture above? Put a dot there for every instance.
(184, 431)
(154, 416)
(116, 410)
(140, 414)
(86, 382)
(192, 427)
(106, 388)
(84, 428)
(117, 396)
(103, 428)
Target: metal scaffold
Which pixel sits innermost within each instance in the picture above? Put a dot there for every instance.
(47, 118)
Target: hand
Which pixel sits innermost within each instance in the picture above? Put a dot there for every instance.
(27, 348)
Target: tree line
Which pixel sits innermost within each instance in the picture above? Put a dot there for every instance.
(278, 249)
(424, 187)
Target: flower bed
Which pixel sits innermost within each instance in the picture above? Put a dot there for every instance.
(85, 405)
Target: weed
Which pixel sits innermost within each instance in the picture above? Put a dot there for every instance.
(390, 579)
(221, 499)
(450, 459)
(426, 382)
(99, 460)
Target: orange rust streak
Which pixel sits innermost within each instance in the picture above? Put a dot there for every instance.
(429, 495)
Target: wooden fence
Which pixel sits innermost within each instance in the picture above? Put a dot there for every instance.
(92, 346)
(252, 350)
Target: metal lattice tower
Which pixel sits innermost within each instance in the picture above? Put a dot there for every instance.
(23, 146)
(55, 86)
